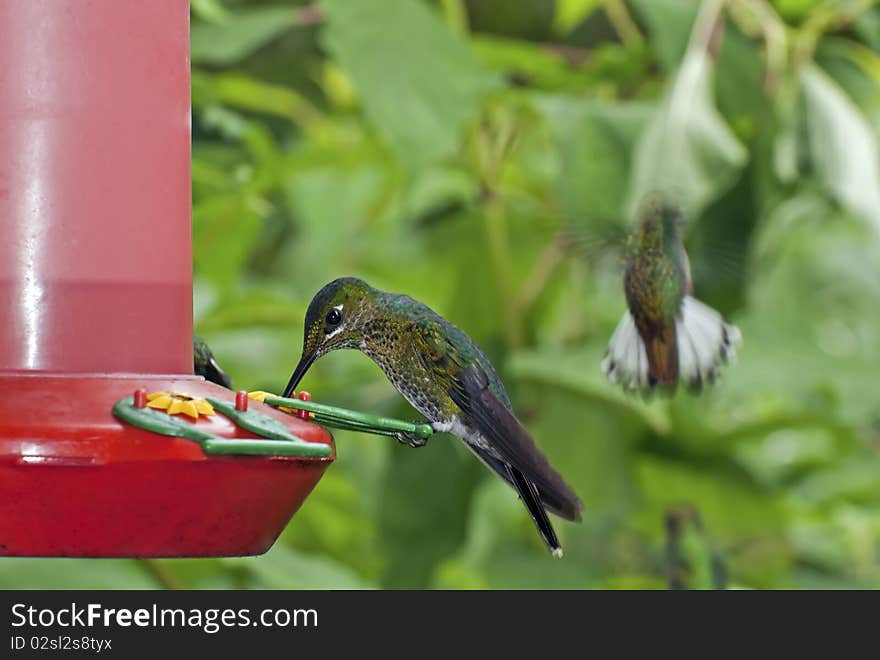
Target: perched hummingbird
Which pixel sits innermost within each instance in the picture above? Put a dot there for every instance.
(205, 364)
(441, 373)
(666, 334)
(691, 562)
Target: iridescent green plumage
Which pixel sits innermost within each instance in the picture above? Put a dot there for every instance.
(446, 377)
(657, 279)
(206, 365)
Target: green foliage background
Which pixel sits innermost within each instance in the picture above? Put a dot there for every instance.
(486, 157)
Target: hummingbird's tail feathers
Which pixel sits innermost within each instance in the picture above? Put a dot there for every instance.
(626, 361)
(563, 507)
(528, 493)
(692, 349)
(705, 341)
(662, 349)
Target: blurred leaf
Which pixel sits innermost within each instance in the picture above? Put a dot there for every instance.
(732, 507)
(437, 83)
(739, 83)
(596, 162)
(248, 93)
(503, 550)
(844, 148)
(687, 150)
(212, 11)
(669, 22)
(33, 573)
(339, 520)
(215, 223)
(854, 480)
(796, 10)
(538, 65)
(249, 309)
(868, 27)
(423, 508)
(239, 34)
(579, 372)
(856, 69)
(285, 568)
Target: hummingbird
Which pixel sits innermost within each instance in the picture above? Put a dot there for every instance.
(442, 373)
(666, 335)
(205, 364)
(691, 561)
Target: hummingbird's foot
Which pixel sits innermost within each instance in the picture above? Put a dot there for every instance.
(411, 439)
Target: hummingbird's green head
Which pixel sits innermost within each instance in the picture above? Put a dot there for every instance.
(660, 223)
(333, 320)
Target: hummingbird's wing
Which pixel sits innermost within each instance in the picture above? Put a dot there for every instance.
(513, 444)
(468, 386)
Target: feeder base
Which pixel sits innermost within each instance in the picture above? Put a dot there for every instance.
(76, 482)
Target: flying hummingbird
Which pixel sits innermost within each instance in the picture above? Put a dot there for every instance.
(440, 371)
(667, 335)
(205, 364)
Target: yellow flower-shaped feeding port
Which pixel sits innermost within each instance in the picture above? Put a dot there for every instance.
(260, 395)
(175, 403)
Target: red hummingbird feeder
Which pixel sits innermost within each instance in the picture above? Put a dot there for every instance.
(96, 297)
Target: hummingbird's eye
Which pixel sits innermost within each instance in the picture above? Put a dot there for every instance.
(334, 317)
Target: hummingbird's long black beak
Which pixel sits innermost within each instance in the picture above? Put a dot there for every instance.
(305, 362)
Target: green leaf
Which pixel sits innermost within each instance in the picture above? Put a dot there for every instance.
(225, 227)
(34, 573)
(856, 68)
(286, 568)
(238, 35)
(212, 11)
(867, 26)
(732, 508)
(854, 479)
(531, 62)
(796, 10)
(844, 148)
(419, 83)
(248, 93)
(596, 145)
(578, 372)
(687, 150)
(669, 23)
(423, 506)
(504, 551)
(739, 82)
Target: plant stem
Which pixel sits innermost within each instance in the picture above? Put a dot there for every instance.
(620, 19)
(544, 268)
(456, 15)
(824, 19)
(766, 23)
(165, 578)
(705, 24)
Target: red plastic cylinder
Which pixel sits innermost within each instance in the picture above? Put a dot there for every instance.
(94, 166)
